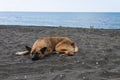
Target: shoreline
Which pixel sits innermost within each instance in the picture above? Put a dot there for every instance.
(91, 27)
(98, 57)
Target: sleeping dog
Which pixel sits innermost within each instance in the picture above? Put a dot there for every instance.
(49, 45)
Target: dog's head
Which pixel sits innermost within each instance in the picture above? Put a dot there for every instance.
(36, 53)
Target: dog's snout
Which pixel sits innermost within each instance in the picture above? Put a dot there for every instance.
(35, 57)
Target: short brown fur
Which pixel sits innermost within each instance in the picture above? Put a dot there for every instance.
(49, 45)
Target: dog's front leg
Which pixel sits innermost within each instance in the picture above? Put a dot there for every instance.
(22, 53)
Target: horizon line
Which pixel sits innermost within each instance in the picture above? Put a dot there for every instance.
(69, 11)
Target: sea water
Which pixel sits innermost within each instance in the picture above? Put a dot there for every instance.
(106, 20)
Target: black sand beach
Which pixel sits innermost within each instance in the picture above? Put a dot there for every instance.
(98, 57)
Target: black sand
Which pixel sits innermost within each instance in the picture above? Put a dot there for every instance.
(98, 57)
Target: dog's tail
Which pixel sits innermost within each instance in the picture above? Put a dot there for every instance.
(22, 53)
(76, 49)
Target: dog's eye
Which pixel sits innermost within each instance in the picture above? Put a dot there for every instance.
(43, 49)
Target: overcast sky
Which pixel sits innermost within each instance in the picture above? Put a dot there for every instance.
(61, 5)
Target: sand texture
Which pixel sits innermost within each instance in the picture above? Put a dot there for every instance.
(98, 57)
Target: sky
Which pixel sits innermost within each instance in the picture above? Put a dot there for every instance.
(61, 5)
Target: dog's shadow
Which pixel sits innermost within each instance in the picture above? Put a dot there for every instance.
(53, 55)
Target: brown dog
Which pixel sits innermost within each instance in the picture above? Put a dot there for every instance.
(50, 45)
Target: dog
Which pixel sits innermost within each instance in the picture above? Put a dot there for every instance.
(49, 45)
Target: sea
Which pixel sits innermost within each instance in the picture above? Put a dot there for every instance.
(100, 20)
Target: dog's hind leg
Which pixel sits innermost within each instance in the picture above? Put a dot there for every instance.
(22, 53)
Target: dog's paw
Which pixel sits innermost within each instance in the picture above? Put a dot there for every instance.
(63, 55)
(21, 53)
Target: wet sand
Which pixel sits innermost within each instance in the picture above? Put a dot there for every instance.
(98, 57)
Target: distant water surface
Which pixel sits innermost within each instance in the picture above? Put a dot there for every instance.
(104, 20)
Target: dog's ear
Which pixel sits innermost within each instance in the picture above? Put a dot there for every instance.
(43, 49)
(73, 44)
(28, 48)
